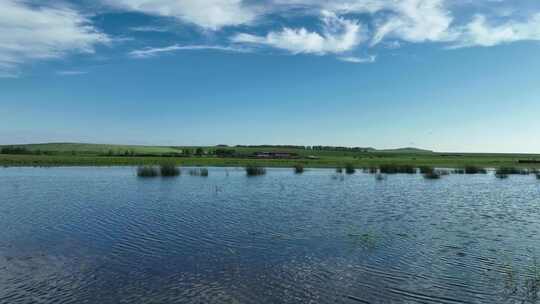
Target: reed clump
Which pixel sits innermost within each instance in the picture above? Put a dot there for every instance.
(339, 170)
(299, 168)
(199, 172)
(254, 170)
(349, 169)
(458, 171)
(505, 172)
(169, 170)
(371, 170)
(432, 175)
(147, 171)
(474, 170)
(426, 169)
(395, 169)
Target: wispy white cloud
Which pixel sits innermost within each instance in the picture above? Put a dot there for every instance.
(71, 73)
(355, 59)
(159, 29)
(480, 32)
(208, 14)
(338, 35)
(153, 51)
(31, 33)
(415, 21)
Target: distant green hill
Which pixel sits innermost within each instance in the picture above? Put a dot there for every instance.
(406, 150)
(87, 148)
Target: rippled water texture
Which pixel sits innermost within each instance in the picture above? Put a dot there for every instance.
(102, 235)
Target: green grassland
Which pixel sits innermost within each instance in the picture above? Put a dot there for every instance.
(73, 154)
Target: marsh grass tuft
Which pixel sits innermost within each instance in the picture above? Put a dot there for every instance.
(380, 177)
(370, 170)
(458, 171)
(469, 169)
(349, 169)
(339, 170)
(426, 169)
(198, 172)
(254, 170)
(505, 172)
(169, 170)
(431, 173)
(299, 168)
(395, 169)
(147, 171)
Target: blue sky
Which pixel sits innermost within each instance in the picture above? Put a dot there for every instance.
(457, 75)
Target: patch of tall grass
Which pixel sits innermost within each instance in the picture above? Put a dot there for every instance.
(169, 170)
(198, 172)
(299, 168)
(504, 172)
(147, 171)
(426, 169)
(349, 169)
(395, 169)
(254, 170)
(469, 169)
(370, 170)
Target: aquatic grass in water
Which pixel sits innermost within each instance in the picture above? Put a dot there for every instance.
(169, 170)
(431, 173)
(299, 168)
(395, 169)
(380, 177)
(505, 172)
(371, 170)
(198, 172)
(253, 170)
(147, 171)
(349, 169)
(426, 169)
(339, 170)
(469, 169)
(458, 171)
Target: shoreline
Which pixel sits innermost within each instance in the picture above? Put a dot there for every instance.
(488, 161)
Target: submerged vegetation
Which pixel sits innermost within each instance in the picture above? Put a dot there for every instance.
(505, 172)
(395, 169)
(349, 169)
(169, 170)
(147, 171)
(469, 169)
(299, 168)
(198, 172)
(430, 173)
(254, 170)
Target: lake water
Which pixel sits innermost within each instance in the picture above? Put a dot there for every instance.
(102, 235)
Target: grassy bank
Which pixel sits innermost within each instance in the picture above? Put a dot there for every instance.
(324, 162)
(115, 155)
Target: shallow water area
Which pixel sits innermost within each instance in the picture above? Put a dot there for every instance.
(103, 235)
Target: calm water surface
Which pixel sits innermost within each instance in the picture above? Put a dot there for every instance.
(102, 235)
